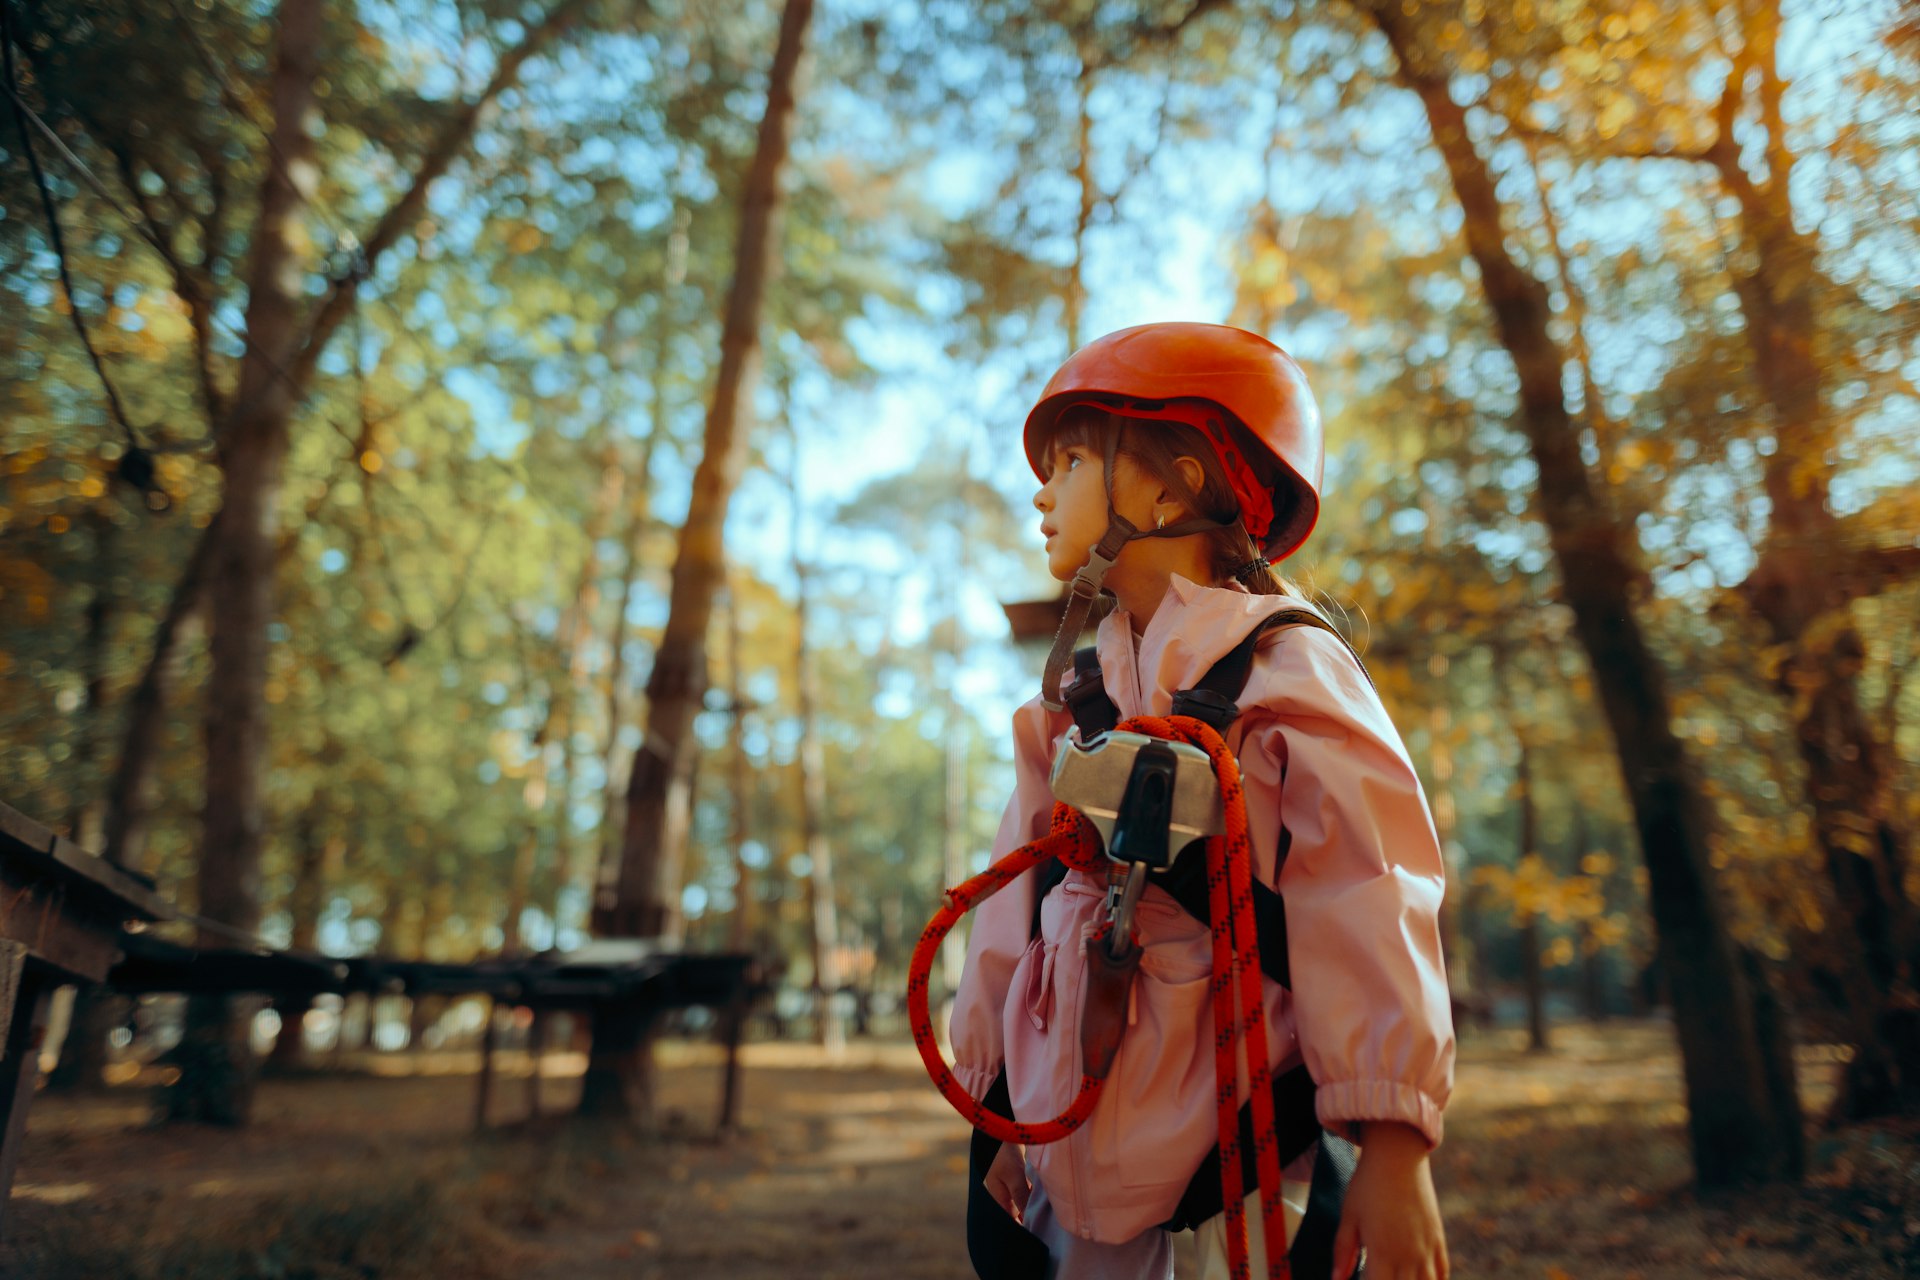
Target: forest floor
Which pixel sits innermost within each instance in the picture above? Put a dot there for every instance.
(1563, 1167)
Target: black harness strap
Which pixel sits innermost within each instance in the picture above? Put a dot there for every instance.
(1093, 711)
(1094, 714)
(998, 1247)
(1212, 699)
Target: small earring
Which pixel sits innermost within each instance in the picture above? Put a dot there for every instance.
(1160, 521)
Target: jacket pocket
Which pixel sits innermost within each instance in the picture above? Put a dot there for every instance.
(1159, 1123)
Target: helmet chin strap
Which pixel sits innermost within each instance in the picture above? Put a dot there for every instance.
(1087, 582)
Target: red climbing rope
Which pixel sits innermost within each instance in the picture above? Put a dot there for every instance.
(1238, 1022)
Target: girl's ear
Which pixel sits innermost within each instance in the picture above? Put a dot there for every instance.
(1193, 473)
(1195, 478)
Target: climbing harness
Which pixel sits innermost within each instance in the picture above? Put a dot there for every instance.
(1146, 770)
(1072, 840)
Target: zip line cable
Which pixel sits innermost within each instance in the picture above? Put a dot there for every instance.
(138, 222)
(140, 473)
(20, 113)
(344, 240)
(140, 226)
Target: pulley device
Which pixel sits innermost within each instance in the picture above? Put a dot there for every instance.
(1148, 799)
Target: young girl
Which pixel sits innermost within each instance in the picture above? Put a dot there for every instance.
(1177, 461)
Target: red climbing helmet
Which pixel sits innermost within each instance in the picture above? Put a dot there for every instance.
(1171, 372)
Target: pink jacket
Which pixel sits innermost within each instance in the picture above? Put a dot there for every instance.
(1369, 1009)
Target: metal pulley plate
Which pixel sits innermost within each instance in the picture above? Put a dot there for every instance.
(1093, 779)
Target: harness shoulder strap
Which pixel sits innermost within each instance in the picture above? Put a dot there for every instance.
(1212, 699)
(1093, 711)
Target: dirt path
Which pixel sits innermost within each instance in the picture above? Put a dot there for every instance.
(1567, 1167)
(851, 1170)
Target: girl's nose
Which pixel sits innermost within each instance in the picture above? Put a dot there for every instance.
(1040, 500)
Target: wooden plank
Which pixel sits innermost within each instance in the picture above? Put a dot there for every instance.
(154, 964)
(27, 843)
(20, 1071)
(69, 936)
(143, 901)
(18, 831)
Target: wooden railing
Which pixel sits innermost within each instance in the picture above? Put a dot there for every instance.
(69, 916)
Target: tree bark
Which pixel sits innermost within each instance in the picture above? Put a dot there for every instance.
(644, 899)
(1803, 586)
(313, 854)
(639, 519)
(823, 911)
(740, 924)
(216, 1062)
(1532, 970)
(1075, 294)
(130, 793)
(1741, 1125)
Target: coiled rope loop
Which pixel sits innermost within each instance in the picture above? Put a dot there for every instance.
(1239, 1014)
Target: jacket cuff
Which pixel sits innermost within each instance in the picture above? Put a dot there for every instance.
(1343, 1105)
(976, 1080)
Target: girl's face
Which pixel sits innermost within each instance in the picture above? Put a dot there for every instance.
(1073, 504)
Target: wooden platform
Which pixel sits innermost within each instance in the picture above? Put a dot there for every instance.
(69, 916)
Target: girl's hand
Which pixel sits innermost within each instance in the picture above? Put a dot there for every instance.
(1006, 1181)
(1391, 1211)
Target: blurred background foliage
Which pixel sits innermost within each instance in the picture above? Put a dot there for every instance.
(490, 460)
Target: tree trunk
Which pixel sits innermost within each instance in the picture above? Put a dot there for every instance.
(96, 1011)
(1074, 297)
(576, 629)
(317, 855)
(1532, 971)
(85, 824)
(643, 901)
(740, 924)
(1802, 588)
(526, 857)
(130, 794)
(216, 1063)
(1742, 1126)
(639, 519)
(1593, 990)
(822, 909)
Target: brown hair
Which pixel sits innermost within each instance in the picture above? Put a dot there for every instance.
(1156, 447)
